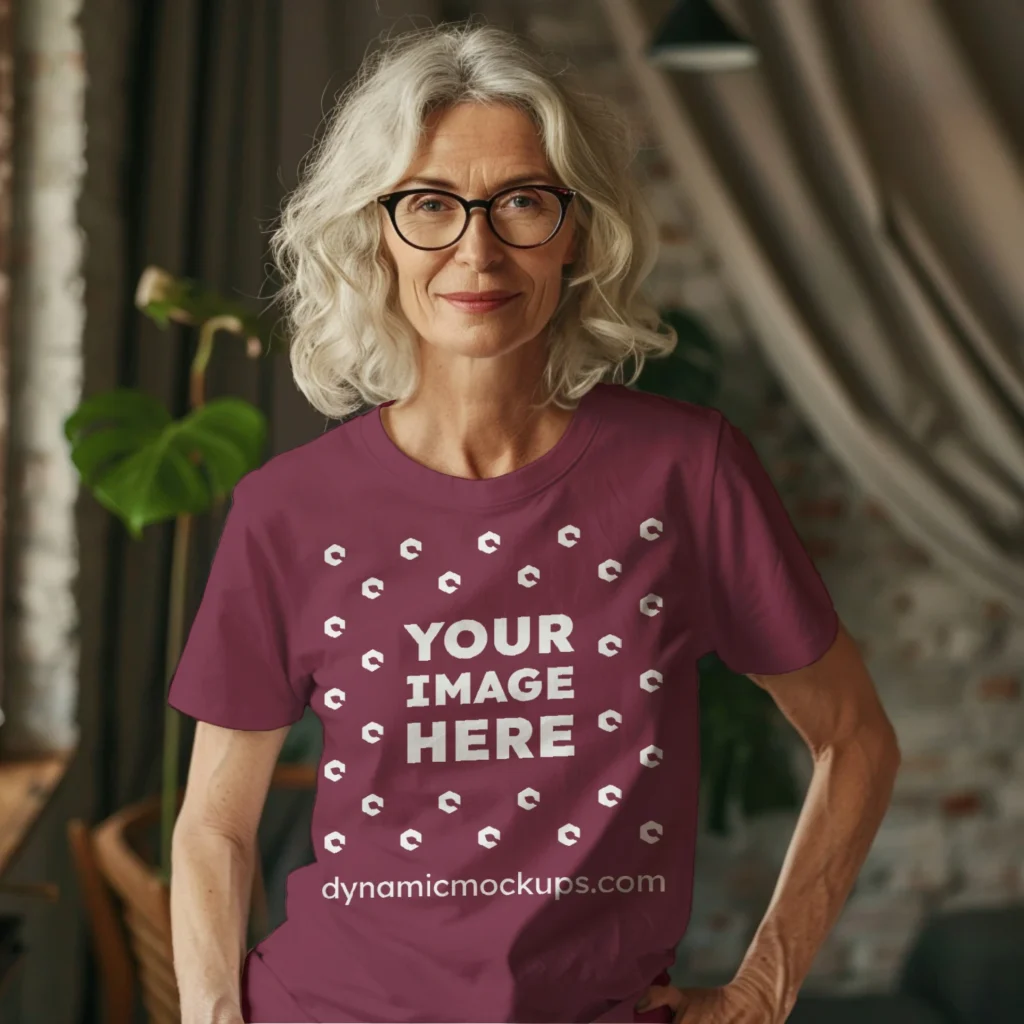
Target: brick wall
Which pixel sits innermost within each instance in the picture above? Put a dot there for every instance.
(41, 649)
(948, 664)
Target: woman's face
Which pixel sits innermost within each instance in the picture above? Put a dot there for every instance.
(476, 150)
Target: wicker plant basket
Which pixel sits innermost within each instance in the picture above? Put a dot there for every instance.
(123, 846)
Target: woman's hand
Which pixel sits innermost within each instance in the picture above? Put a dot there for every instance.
(735, 1003)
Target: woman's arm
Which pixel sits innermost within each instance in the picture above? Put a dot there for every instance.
(834, 707)
(212, 863)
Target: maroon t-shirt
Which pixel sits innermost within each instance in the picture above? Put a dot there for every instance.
(505, 670)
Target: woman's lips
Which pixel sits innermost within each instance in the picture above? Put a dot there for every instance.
(478, 305)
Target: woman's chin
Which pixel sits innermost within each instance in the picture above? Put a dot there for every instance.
(482, 342)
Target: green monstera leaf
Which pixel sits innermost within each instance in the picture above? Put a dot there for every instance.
(146, 467)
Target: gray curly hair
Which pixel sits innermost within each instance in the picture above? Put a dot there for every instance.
(350, 342)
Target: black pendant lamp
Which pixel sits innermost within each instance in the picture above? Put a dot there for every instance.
(695, 38)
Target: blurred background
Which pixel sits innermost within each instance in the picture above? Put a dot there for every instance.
(840, 195)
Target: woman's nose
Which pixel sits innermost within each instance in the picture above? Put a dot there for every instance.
(479, 244)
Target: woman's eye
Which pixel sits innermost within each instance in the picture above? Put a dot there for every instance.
(523, 201)
(430, 204)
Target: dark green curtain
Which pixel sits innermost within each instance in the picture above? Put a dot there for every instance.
(199, 114)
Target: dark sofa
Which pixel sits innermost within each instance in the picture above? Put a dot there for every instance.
(965, 967)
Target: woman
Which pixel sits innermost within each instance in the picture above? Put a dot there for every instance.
(493, 589)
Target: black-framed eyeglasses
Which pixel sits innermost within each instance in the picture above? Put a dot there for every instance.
(524, 216)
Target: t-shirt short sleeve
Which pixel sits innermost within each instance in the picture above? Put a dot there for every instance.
(234, 670)
(769, 610)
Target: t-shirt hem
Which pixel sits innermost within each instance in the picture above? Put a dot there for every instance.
(807, 658)
(224, 721)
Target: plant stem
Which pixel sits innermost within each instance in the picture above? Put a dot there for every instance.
(177, 602)
(197, 378)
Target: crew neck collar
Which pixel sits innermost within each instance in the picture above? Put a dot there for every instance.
(463, 492)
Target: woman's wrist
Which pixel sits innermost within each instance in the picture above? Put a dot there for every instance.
(221, 1009)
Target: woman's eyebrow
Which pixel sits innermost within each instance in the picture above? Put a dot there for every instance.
(522, 179)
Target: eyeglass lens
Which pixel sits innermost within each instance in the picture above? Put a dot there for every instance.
(523, 216)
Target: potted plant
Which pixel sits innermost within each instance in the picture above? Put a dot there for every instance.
(146, 467)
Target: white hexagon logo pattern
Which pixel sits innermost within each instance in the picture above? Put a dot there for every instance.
(410, 839)
(528, 576)
(609, 721)
(650, 757)
(568, 835)
(609, 645)
(373, 804)
(488, 836)
(650, 604)
(334, 555)
(334, 842)
(372, 587)
(609, 569)
(651, 529)
(528, 798)
(609, 796)
(568, 536)
(449, 801)
(488, 542)
(334, 698)
(651, 680)
(372, 660)
(410, 548)
(334, 770)
(334, 626)
(372, 732)
(449, 582)
(651, 831)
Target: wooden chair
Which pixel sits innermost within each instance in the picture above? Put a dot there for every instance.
(132, 934)
(116, 971)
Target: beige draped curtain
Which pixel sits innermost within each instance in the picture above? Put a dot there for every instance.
(864, 189)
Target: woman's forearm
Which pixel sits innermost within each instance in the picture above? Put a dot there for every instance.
(846, 802)
(211, 883)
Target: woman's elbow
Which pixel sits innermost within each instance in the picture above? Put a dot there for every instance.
(198, 832)
(885, 742)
